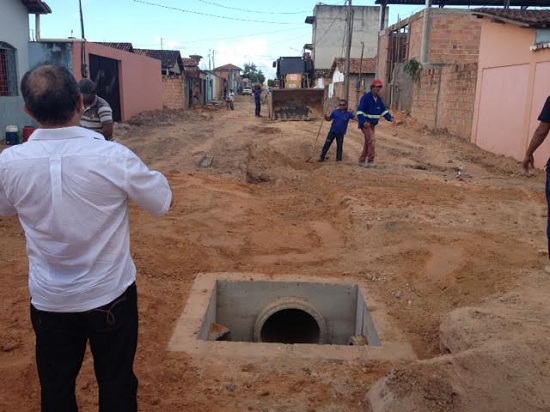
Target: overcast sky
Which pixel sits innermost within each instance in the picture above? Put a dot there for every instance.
(235, 31)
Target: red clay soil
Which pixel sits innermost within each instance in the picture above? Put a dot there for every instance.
(449, 238)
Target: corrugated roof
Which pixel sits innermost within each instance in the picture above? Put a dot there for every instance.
(355, 67)
(169, 58)
(525, 18)
(36, 7)
(119, 46)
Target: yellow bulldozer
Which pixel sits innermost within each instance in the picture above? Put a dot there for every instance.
(293, 98)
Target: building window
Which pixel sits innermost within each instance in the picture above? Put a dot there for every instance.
(8, 70)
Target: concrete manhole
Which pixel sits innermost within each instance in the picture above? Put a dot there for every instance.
(251, 314)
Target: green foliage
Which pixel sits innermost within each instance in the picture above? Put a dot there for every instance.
(413, 68)
(271, 83)
(251, 72)
(261, 77)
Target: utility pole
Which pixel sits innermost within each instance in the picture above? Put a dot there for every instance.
(161, 44)
(213, 65)
(83, 66)
(424, 47)
(358, 88)
(348, 51)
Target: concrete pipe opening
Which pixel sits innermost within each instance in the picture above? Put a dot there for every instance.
(290, 320)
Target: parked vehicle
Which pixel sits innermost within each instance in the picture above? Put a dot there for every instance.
(247, 90)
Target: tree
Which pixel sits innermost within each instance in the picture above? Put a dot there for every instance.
(251, 72)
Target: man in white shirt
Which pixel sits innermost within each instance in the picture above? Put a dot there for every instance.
(70, 189)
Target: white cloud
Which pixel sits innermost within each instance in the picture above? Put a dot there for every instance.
(246, 51)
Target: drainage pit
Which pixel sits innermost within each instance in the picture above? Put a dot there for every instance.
(288, 312)
(244, 314)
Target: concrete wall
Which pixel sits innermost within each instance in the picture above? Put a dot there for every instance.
(58, 52)
(330, 33)
(173, 92)
(512, 86)
(141, 87)
(336, 88)
(14, 30)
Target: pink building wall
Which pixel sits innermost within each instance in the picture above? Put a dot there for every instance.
(140, 77)
(512, 84)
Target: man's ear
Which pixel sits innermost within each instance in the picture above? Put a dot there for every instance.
(28, 111)
(80, 105)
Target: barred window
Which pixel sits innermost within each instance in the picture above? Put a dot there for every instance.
(8, 70)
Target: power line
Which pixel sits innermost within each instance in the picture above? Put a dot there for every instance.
(208, 14)
(243, 35)
(252, 11)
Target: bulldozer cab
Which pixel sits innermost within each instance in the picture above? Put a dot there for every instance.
(290, 100)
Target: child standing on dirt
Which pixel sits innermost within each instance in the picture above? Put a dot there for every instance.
(340, 118)
(229, 100)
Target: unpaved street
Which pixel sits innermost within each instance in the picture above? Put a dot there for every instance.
(449, 239)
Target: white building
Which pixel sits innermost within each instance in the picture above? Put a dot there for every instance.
(14, 57)
(330, 29)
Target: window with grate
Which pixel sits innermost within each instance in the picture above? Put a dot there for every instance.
(8, 70)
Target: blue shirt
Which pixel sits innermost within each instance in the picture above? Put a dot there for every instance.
(340, 120)
(257, 96)
(371, 110)
(545, 113)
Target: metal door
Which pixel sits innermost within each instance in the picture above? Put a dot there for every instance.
(104, 72)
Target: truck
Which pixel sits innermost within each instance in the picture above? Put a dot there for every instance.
(289, 100)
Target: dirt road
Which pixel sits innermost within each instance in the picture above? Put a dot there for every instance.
(449, 238)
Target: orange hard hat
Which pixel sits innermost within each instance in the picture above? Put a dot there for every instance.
(376, 83)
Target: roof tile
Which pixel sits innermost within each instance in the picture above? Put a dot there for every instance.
(527, 18)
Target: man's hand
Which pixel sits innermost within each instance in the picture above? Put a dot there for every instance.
(528, 161)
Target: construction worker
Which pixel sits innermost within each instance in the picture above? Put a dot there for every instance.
(371, 109)
(340, 118)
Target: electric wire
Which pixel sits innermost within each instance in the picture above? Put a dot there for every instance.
(150, 3)
(252, 11)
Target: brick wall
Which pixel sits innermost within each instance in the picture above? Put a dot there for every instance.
(382, 62)
(454, 37)
(172, 95)
(415, 36)
(426, 97)
(444, 98)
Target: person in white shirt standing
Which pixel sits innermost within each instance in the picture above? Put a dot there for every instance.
(70, 189)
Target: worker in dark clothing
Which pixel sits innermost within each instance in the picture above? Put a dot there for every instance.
(340, 118)
(258, 100)
(371, 109)
(540, 134)
(309, 70)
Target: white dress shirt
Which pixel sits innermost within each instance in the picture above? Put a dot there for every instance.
(70, 188)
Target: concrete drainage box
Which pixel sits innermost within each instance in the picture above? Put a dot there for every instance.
(256, 315)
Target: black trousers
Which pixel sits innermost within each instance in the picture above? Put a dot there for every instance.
(258, 108)
(339, 145)
(61, 338)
